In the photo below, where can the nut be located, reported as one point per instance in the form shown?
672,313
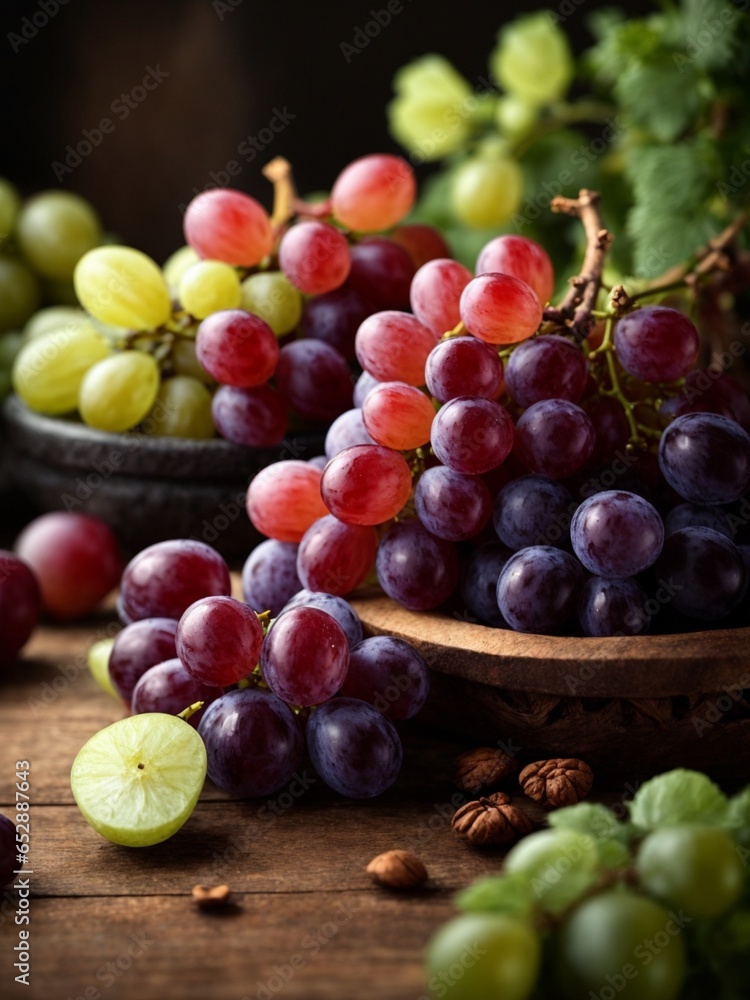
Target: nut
482,769
215,896
398,870
562,781
491,822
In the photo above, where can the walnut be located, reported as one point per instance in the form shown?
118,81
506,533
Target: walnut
479,770
398,870
562,781
491,822
206,898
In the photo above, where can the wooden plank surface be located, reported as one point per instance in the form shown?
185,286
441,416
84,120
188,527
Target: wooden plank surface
307,923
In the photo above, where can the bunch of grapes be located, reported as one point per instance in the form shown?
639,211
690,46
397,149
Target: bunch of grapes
650,901
249,324
263,685
41,241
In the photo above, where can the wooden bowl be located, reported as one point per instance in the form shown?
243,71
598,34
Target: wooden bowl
631,707
146,488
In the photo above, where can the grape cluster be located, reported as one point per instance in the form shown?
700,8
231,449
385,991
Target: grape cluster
261,687
251,323
647,901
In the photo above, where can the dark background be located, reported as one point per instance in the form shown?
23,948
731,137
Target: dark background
229,71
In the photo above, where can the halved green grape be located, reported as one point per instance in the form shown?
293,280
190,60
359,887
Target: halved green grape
10,345
483,956
137,781
124,287
98,661
559,864
54,230
624,944
182,409
486,192
55,318
19,294
49,369
272,296
208,286
532,59
175,266
10,206
693,866
117,393
185,362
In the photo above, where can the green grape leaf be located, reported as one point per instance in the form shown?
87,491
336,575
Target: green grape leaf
709,30
594,819
679,796
509,894
655,96
626,43
737,819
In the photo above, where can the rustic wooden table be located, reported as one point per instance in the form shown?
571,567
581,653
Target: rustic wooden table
306,922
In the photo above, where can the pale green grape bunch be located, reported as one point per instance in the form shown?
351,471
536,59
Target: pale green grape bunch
54,230
176,265
49,369
20,293
123,287
118,392
486,191
532,60
208,286
182,409
272,296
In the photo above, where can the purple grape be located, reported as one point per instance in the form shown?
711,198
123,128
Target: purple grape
452,505
617,534
335,606
253,418
613,607
315,379
354,748
472,435
706,572
690,515
554,438
305,656
137,648
167,687
382,271
269,576
538,589
253,743
416,568
706,458
166,578
547,367
533,510
319,461
218,640
389,674
479,583
363,387
463,366
656,344
8,851
346,430
335,316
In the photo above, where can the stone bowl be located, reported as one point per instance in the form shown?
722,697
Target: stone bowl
147,488
631,707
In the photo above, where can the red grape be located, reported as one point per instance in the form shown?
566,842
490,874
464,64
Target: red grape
315,378
218,640
422,242
284,499
346,431
335,318
237,348
464,366
436,293
227,225
254,418
137,648
394,346
374,192
398,416
500,309
305,656
656,344
546,367
471,434
335,557
415,567
366,484
169,688
554,438
75,558
20,604
521,257
382,271
315,257
269,576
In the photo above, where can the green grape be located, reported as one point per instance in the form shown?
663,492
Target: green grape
117,393
48,371
176,265
559,864
182,409
123,287
10,345
484,956
55,229
486,192
10,206
185,362
208,286
532,59
431,114
694,866
271,296
55,318
621,945
98,661
19,294
515,117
